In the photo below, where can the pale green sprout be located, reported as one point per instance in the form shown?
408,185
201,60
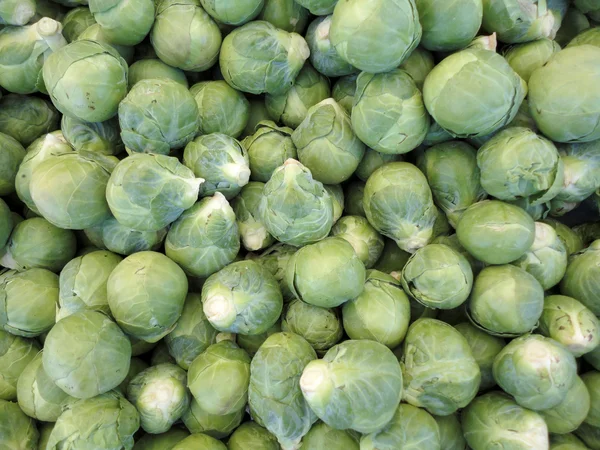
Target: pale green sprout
76,21
323,55
418,65
286,15
160,441
199,440
152,68
573,242
343,91
16,12
366,241
94,33
582,279
7,222
123,240
26,118
525,58
10,159
124,22
451,434
275,259
336,192
16,429
322,436
566,441
569,414
101,137
16,353
217,426
232,12
373,160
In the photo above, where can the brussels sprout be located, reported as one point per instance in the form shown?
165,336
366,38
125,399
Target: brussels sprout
343,280
593,358
440,372
566,441
295,208
108,420
139,347
136,366
152,68
486,106
76,21
373,160
418,65
258,113
323,55
527,57
259,58
287,15
6,227
589,434
405,122
82,283
372,386
572,241
163,441
125,22
592,383
143,207
399,204
185,36
581,281
571,412
161,355
353,199
392,258
126,241
366,241
94,33
590,36
16,353
233,12
537,371
250,436
221,161
157,116
160,396
26,118
251,343
45,429
275,259
323,436
16,12
268,148
321,327
243,298
193,333
484,348
101,137
344,90
567,111
506,301
494,419
199,421
451,436
274,394
10,159
199,440
16,429
146,292
410,427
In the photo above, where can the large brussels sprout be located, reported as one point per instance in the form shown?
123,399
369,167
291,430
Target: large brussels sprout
375,36
157,116
146,292
323,436
221,108
16,429
326,143
323,55
251,436
275,259
76,21
98,358
142,206
222,161
233,12
537,371
494,419
82,283
243,298
439,370
148,69
388,112
357,385
16,353
563,95
343,91
10,159
451,435
582,279
26,118
205,238
438,277
218,378
159,394
162,441
380,313
525,58
78,88
410,427
259,58
496,232
109,421
366,241
17,12
399,204
100,137
123,240
506,301
309,88
286,15
218,426
486,106
275,398
442,34
124,22
321,327
295,208
185,36
342,281
569,414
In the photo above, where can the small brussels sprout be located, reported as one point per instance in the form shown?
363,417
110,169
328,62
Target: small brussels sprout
451,435
268,148
372,386
76,21
259,58
527,57
94,33
494,419
243,298
77,88
126,241
124,22
251,343
418,65
373,160
399,204
566,441
323,436
275,397
16,429
17,12
592,383
287,15
146,292
197,420
26,117
160,396
537,371
233,12
7,222
589,36
100,137
573,242
323,55
438,276
505,301
321,327
440,372
16,353
295,208
251,436
366,241
98,358
569,414
185,36
199,440
136,366
152,68
392,259
405,122
488,106
344,90
143,207
275,259
566,111
157,116
108,420
342,281
82,283
582,279
161,441
410,427
10,160
222,161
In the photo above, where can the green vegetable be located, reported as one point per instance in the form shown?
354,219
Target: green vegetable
16,353
16,429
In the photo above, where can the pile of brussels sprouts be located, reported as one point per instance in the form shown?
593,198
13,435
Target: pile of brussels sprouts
299,224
